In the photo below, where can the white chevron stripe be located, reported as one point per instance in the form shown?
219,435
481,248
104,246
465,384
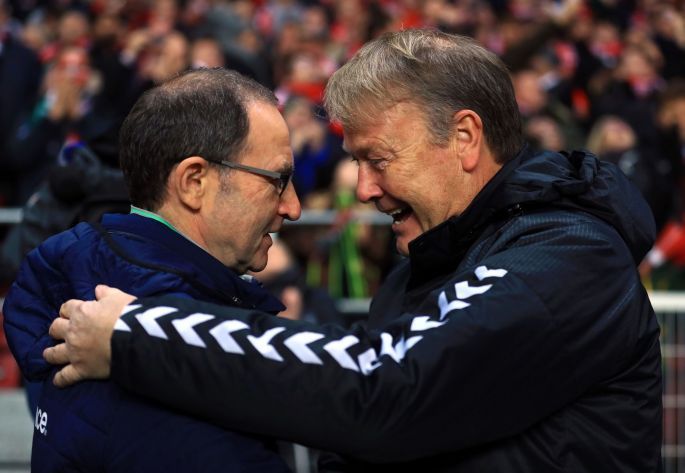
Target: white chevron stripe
264,347
148,320
222,335
400,349
419,324
298,345
413,341
368,361
483,272
121,326
338,350
464,291
185,329
396,352
446,307
129,308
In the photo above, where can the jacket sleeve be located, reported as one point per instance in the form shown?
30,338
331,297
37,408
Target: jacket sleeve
30,307
501,345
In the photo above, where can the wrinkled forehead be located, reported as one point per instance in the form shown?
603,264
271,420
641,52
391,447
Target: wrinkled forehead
384,127
354,104
371,114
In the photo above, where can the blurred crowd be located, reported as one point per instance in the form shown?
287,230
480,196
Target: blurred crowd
606,75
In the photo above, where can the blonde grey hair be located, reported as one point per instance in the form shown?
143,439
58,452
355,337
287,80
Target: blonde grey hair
440,73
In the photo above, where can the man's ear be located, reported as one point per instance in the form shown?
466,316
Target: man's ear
468,136
189,181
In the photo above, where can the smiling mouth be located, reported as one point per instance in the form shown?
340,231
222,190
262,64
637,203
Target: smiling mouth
400,215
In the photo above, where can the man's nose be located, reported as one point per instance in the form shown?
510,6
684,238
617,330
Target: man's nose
368,188
289,207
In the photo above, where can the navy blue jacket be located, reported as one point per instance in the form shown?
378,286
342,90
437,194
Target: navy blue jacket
516,338
97,426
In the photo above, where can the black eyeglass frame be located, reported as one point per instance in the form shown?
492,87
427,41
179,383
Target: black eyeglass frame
283,178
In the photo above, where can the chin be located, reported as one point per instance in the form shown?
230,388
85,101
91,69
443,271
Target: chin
258,262
257,267
402,247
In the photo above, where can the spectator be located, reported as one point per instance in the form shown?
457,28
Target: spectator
206,53
311,143
70,107
20,75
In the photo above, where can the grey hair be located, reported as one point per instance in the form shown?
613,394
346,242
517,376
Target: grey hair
440,73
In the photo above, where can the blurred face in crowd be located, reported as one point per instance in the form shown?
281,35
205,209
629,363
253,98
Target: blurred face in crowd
407,176
672,114
615,136
163,16
73,27
167,59
247,207
72,67
635,65
667,22
108,29
546,132
206,53
529,94
606,40
314,23
298,113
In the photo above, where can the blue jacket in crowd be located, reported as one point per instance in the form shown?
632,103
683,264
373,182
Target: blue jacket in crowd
96,426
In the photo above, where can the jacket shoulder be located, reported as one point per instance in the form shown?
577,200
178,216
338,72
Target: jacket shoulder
34,298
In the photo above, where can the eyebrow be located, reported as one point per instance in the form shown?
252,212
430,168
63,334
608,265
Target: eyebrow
364,150
287,168
357,152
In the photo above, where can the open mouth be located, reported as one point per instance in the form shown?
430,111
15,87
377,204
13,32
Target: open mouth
400,215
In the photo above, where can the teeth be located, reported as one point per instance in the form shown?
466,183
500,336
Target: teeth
395,212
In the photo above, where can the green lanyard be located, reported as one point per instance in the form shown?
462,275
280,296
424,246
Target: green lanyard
146,213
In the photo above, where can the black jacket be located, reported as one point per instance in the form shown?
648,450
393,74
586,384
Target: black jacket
516,338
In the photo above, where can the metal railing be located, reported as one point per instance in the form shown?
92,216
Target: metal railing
11,216
670,310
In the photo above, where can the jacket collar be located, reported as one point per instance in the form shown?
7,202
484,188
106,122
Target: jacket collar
575,181
440,250
193,263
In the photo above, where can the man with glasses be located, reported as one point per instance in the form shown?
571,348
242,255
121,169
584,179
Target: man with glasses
281,179
207,161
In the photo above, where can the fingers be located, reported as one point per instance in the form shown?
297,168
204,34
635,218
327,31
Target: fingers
66,377
86,327
69,308
102,290
58,329
117,297
57,355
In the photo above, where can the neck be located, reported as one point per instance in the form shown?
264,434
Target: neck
195,224
182,222
477,179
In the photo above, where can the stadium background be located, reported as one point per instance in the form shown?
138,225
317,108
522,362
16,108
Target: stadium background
606,75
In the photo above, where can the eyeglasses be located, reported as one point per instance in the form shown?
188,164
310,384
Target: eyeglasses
280,179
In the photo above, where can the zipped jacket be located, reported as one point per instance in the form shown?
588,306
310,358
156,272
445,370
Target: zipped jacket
517,337
97,426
